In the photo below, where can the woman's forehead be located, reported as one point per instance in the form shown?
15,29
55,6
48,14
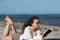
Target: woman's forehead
35,20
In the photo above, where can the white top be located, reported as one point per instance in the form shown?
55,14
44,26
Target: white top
27,34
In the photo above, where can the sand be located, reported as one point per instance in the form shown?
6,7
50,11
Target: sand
54,34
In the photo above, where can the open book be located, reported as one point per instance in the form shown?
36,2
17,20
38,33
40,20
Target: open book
47,32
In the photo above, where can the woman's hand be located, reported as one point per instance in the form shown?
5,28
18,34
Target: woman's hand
41,33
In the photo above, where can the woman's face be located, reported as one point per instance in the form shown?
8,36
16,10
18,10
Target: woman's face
35,23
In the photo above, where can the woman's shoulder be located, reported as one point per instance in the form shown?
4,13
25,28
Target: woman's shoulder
27,28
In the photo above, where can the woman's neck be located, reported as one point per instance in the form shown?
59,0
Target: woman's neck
32,29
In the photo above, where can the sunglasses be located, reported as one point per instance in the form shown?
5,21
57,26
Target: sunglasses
37,22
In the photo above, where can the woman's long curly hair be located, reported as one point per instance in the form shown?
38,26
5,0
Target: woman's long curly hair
28,23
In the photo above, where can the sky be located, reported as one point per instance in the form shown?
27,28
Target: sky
29,6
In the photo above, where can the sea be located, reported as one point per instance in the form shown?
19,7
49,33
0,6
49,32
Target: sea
43,18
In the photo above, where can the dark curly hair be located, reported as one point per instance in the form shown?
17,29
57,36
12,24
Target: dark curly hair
28,23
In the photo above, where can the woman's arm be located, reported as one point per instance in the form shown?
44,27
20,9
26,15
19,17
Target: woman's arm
26,35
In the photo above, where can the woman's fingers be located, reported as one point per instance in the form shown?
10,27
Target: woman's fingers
41,33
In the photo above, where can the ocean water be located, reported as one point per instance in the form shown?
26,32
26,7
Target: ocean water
47,19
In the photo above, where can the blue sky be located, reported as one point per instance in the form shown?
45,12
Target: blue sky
29,6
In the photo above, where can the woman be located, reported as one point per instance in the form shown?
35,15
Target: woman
30,28
28,31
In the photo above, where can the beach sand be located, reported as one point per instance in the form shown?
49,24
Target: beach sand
54,34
